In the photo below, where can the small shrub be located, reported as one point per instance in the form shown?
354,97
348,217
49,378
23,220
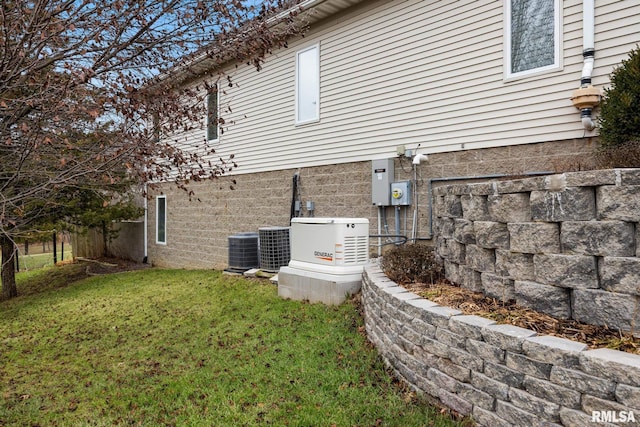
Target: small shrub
623,155
574,163
411,263
619,114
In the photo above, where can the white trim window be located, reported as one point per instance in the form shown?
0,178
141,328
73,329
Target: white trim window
161,220
308,85
212,103
532,37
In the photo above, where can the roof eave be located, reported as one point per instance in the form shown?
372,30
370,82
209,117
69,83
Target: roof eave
311,11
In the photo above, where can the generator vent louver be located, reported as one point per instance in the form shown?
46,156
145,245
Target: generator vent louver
356,249
243,252
275,249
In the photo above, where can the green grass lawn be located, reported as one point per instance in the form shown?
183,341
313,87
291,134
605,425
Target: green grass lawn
190,348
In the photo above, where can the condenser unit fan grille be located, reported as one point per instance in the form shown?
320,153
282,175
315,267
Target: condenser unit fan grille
275,250
243,252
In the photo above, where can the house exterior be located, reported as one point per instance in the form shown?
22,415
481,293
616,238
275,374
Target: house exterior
481,87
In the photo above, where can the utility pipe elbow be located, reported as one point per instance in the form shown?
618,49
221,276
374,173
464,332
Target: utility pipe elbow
588,123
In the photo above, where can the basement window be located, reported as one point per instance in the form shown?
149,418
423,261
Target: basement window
161,220
308,85
532,37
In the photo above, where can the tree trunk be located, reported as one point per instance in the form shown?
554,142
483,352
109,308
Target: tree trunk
9,289
55,248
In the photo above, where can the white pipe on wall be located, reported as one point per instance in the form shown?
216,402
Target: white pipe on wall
588,54
587,71
588,43
145,259
588,24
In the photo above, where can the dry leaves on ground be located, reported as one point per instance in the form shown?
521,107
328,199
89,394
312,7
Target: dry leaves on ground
510,313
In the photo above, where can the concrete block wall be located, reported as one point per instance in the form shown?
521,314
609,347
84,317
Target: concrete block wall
501,375
198,227
567,245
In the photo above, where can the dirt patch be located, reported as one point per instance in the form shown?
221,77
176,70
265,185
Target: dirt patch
94,267
70,271
510,313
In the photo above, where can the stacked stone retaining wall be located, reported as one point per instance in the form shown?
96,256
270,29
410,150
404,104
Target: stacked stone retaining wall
567,245
501,375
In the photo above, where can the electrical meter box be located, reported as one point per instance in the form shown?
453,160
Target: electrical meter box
401,193
382,173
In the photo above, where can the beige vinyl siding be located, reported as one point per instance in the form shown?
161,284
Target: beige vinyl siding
617,32
415,72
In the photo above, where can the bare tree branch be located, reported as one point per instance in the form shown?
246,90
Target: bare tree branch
80,82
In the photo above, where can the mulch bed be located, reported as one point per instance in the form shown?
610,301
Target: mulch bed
510,313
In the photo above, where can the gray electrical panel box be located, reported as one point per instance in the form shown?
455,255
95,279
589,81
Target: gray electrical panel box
401,193
382,174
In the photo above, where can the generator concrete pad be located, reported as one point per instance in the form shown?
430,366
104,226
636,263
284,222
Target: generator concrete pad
330,289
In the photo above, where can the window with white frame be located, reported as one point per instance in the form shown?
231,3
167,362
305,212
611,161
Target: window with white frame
308,85
532,36
212,101
161,220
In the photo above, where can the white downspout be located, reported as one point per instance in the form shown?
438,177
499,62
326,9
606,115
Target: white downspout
145,260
